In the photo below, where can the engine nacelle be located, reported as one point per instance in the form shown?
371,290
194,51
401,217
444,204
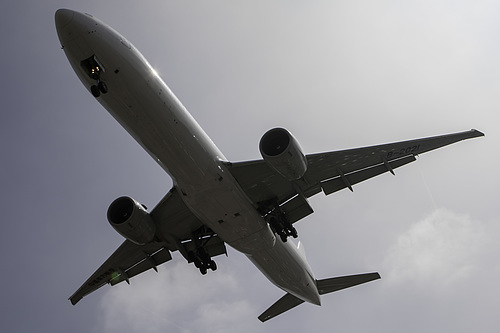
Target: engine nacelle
131,220
282,152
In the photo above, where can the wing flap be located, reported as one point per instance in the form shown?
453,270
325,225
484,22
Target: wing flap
124,258
297,208
346,181
150,261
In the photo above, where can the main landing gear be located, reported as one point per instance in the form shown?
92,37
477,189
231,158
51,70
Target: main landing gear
94,70
199,256
202,260
280,224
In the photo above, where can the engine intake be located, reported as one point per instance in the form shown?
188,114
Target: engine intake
282,152
131,220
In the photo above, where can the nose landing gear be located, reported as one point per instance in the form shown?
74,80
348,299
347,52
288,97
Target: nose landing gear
94,69
101,87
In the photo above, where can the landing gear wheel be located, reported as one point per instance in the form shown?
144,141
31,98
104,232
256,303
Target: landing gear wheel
212,265
102,87
203,270
294,233
96,92
283,238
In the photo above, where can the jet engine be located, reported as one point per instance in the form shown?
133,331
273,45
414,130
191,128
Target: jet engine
282,152
131,220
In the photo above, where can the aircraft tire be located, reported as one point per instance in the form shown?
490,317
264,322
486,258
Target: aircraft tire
96,92
103,87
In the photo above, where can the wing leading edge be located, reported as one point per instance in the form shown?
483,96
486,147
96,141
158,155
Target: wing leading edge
330,172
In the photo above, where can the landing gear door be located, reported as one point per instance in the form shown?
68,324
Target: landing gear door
296,209
214,246
93,67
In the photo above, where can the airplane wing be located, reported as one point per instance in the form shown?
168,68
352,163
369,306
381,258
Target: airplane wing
127,261
332,171
130,259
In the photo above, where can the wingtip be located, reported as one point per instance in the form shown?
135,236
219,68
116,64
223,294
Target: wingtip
477,132
74,300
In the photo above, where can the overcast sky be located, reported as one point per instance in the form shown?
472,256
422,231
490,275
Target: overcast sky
337,74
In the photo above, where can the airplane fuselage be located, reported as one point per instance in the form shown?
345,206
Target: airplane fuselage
144,105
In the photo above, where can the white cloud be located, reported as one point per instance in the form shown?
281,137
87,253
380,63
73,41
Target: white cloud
441,249
224,316
177,299
441,270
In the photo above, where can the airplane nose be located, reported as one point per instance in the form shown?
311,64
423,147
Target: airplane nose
63,17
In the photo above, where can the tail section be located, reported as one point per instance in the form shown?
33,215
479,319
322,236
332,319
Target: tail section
324,286
284,304
338,283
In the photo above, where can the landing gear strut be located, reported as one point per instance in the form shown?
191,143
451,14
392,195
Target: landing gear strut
94,69
200,256
96,90
280,224
202,261
101,87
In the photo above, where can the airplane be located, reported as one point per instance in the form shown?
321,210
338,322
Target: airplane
251,206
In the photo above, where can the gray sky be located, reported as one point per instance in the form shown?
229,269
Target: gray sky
338,74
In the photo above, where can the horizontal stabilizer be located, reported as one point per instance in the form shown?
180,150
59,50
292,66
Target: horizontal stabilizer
284,304
338,283
325,286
